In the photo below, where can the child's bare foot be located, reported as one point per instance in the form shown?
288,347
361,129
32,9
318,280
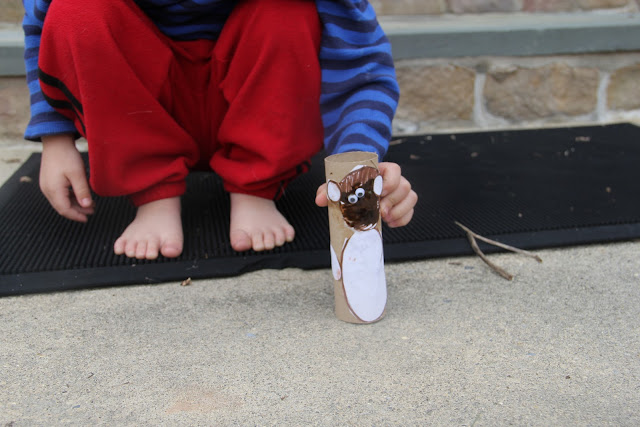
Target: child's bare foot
257,224
157,229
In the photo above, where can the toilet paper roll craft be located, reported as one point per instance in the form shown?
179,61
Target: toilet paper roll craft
354,186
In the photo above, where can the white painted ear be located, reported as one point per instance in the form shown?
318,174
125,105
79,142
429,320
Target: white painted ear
377,185
333,191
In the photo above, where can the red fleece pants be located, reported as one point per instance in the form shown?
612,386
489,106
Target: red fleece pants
152,109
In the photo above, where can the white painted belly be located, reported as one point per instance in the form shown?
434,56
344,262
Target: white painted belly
363,275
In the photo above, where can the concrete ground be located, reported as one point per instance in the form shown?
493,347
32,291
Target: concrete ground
559,345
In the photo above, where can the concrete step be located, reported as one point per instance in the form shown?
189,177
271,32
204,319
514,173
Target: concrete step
454,36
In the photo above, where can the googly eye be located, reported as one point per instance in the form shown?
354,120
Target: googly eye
352,198
360,193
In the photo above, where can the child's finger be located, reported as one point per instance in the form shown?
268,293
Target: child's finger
321,196
402,221
402,212
399,194
60,200
391,176
81,188
87,211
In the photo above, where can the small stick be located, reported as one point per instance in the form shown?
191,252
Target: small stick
484,258
498,244
471,236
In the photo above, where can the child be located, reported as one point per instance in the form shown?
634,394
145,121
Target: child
246,88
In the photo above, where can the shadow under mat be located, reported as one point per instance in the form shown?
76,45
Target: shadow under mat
526,188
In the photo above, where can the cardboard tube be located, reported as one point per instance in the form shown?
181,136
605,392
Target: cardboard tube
354,186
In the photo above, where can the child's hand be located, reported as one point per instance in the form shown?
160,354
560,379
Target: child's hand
62,167
397,199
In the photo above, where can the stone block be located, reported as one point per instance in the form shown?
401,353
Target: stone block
409,7
11,11
623,92
548,6
601,4
14,107
483,6
436,93
540,93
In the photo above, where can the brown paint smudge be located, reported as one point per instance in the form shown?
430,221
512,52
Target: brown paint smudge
365,213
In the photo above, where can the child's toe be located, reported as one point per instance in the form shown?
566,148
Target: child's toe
118,246
269,241
240,240
171,248
279,237
130,248
289,233
141,250
257,241
152,250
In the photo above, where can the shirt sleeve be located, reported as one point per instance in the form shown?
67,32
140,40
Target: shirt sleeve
359,87
44,119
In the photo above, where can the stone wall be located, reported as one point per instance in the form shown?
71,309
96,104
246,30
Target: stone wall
474,93
508,92
14,108
445,94
11,10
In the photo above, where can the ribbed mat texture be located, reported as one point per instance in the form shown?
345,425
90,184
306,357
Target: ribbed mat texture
528,188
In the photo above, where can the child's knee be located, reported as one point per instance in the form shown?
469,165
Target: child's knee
284,20
292,13
68,15
77,18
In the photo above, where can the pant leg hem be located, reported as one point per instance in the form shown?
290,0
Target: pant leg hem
158,192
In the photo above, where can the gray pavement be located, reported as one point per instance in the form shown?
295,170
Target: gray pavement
559,345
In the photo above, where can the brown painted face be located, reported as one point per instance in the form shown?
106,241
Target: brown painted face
359,203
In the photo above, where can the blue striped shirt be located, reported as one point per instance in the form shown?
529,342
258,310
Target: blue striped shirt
359,88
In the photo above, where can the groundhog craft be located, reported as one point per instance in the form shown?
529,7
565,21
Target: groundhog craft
359,263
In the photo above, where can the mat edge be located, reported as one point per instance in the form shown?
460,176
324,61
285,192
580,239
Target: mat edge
234,267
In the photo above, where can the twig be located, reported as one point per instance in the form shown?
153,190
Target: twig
484,258
500,245
472,236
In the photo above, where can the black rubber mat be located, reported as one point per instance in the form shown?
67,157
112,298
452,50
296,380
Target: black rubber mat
528,188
